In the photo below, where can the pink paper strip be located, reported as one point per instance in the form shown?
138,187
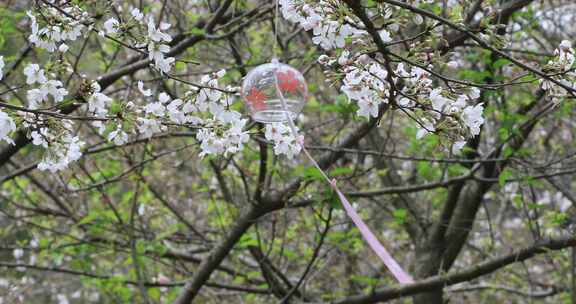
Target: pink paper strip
377,247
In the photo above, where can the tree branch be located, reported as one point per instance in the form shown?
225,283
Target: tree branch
461,276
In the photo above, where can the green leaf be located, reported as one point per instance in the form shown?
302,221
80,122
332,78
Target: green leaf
311,173
500,63
89,218
400,215
167,232
247,240
508,151
197,31
341,171
504,176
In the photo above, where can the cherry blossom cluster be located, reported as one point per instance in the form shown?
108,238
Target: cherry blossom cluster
60,25
223,130
57,137
285,141
364,82
449,112
154,41
113,27
328,32
98,102
561,68
156,45
58,140
206,108
40,95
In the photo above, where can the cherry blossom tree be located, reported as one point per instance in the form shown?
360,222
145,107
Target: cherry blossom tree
132,172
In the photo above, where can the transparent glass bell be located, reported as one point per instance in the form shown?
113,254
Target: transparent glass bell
261,93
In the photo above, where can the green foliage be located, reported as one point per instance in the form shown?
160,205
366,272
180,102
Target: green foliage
504,176
400,216
8,21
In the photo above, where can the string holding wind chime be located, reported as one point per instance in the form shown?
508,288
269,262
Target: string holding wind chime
276,92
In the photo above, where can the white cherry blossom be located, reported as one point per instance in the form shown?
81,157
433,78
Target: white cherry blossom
426,128
565,55
457,146
156,108
438,101
34,74
385,36
148,127
367,87
39,137
472,117
98,103
18,253
7,126
36,97
137,14
453,64
118,137
157,48
284,141
165,64
63,27
175,114
156,34
145,92
63,48
39,95
61,153
111,26
368,108
54,88
276,131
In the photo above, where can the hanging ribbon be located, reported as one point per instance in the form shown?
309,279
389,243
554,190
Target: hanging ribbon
393,266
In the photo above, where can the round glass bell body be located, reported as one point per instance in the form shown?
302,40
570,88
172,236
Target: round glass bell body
264,86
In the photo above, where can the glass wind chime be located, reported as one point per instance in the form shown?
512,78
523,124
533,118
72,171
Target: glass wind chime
275,92
265,87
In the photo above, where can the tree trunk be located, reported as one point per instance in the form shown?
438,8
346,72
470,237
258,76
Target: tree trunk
434,297
428,262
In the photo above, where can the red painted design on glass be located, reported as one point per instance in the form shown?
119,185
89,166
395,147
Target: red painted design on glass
256,99
288,82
